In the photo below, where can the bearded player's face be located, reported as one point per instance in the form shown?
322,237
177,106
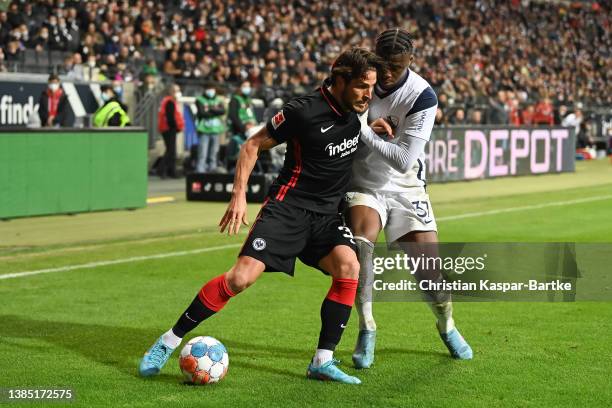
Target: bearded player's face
358,92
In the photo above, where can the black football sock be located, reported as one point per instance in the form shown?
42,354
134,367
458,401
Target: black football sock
195,314
334,317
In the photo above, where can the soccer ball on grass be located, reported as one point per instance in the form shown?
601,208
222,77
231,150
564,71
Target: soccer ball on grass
204,360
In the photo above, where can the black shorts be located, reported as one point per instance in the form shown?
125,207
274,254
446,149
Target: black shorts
283,232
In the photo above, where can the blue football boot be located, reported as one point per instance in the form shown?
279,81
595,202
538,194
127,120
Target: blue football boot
155,358
457,345
330,372
363,356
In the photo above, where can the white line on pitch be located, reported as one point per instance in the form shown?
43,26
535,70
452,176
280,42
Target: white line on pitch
523,208
117,261
210,249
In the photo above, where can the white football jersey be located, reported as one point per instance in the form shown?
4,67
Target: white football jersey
410,107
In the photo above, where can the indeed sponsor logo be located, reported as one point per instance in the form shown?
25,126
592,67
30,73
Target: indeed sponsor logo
347,146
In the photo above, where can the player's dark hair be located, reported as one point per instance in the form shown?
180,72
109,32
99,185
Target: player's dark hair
394,46
354,64
395,41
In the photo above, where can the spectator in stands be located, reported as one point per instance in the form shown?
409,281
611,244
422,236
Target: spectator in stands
584,138
442,101
22,35
171,66
527,115
89,47
241,118
560,114
150,69
458,117
149,85
41,41
14,16
544,114
210,127
476,117
57,35
73,68
53,105
574,120
236,40
12,52
91,72
2,66
112,112
514,113
496,113
170,122
118,90
440,118
241,114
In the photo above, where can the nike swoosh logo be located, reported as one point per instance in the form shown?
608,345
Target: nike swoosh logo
187,316
323,130
343,326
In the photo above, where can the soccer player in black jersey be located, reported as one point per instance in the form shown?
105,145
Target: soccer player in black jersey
299,218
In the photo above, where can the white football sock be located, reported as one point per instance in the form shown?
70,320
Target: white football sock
321,357
363,300
171,340
366,319
444,314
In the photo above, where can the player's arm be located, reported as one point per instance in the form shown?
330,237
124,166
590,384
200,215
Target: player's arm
236,212
279,128
411,139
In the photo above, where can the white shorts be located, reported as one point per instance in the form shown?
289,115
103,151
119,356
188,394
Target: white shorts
400,213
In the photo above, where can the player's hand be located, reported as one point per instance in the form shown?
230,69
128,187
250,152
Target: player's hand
235,214
381,127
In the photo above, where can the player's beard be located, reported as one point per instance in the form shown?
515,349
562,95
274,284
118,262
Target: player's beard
351,103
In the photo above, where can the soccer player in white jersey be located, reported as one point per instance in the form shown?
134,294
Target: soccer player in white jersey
388,189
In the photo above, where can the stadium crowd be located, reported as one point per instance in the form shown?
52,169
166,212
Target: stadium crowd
490,61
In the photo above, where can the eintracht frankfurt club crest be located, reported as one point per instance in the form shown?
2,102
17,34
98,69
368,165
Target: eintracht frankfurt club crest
259,244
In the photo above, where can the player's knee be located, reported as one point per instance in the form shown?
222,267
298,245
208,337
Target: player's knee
244,273
348,269
238,282
239,278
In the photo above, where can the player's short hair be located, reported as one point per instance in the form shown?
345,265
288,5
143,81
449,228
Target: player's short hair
395,41
354,64
53,77
395,46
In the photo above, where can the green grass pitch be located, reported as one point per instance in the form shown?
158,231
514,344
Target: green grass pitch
87,328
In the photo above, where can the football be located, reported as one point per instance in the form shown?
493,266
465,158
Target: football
204,360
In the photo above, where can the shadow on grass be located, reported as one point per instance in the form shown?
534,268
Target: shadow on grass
392,353
122,347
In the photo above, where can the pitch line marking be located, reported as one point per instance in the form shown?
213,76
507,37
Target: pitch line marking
217,248
523,208
118,261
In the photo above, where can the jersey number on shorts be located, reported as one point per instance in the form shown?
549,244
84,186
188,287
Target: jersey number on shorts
422,210
347,234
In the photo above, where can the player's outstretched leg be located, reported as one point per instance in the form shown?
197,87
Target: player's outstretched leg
426,242
363,356
342,264
213,296
453,340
